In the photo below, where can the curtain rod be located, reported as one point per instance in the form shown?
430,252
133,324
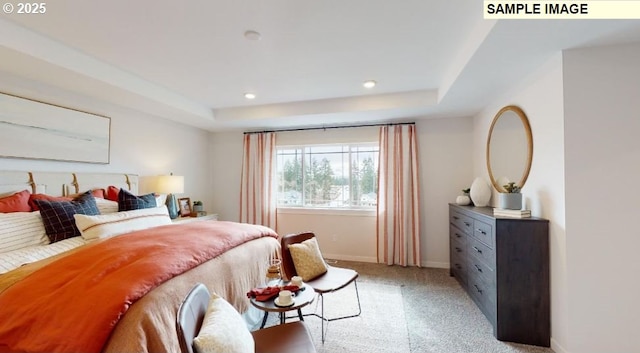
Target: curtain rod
326,127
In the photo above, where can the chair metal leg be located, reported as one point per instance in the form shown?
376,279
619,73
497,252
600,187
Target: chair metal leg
327,320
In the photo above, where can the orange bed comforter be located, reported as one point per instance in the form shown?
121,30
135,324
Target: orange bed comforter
72,304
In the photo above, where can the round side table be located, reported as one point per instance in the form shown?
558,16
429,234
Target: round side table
303,297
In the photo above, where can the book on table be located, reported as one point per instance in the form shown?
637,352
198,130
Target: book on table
501,212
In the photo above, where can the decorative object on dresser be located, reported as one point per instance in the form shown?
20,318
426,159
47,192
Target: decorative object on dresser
512,199
464,198
480,192
170,185
503,264
501,212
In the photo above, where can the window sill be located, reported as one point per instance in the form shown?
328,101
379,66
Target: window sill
327,211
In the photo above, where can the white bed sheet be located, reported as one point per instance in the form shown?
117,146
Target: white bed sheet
13,259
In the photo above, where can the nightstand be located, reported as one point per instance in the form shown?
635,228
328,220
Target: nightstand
209,217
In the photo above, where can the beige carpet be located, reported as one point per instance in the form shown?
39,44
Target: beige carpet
380,328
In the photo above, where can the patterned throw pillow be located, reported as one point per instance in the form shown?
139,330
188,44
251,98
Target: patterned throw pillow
57,216
128,201
223,330
21,230
307,259
34,197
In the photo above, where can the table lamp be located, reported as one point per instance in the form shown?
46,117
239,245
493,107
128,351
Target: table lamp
170,185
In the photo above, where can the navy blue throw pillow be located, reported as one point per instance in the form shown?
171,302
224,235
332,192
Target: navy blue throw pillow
128,201
57,216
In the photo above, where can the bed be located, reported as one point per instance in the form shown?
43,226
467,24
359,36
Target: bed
147,324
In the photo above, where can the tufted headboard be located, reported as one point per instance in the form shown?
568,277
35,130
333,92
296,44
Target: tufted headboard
63,183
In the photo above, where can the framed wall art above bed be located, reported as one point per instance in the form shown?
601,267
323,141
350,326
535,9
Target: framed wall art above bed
35,130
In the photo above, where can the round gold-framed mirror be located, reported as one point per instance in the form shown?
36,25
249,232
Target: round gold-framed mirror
509,148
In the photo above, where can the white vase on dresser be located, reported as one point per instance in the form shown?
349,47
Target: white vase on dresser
480,192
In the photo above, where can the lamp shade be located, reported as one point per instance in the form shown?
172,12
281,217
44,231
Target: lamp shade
167,184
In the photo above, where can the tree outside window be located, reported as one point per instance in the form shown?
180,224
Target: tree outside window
328,176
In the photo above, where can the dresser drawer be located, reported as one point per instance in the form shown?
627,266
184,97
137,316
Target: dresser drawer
458,248
464,223
478,268
458,253
457,235
482,252
484,295
483,232
459,269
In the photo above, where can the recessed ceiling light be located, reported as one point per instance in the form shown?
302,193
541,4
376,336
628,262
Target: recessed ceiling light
369,84
249,95
252,35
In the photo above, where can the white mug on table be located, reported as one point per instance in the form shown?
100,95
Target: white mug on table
285,297
296,281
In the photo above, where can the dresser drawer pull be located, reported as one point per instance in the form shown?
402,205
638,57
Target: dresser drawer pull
478,289
458,249
477,268
467,224
458,266
458,235
481,231
456,217
477,250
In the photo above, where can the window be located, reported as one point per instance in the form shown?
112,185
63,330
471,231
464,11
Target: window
328,176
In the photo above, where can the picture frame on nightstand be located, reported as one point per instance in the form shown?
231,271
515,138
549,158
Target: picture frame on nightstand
185,206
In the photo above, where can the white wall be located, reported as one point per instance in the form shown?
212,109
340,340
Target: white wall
602,151
540,95
342,235
446,168
139,144
225,149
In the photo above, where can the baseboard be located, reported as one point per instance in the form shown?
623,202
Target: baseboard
434,264
329,257
557,347
370,259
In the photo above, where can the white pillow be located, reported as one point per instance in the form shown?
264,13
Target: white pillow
112,224
20,230
161,199
223,330
106,206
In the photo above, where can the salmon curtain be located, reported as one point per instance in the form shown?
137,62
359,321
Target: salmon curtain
257,189
398,224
